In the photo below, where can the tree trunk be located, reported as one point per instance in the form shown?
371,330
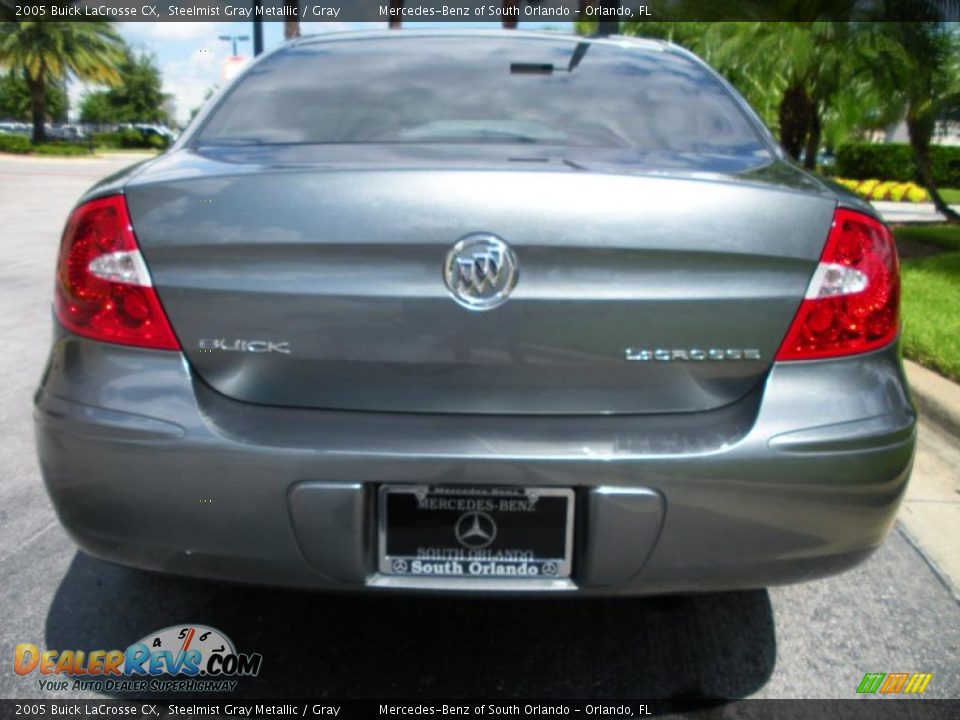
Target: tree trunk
794,119
38,106
291,28
509,21
920,130
813,141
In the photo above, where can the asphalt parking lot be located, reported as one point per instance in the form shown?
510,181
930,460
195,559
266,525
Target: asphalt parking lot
892,614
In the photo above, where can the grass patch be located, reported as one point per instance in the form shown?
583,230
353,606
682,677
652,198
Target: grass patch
21,145
951,196
146,152
931,299
945,238
14,144
61,149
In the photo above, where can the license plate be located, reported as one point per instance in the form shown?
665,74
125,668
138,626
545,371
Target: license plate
495,532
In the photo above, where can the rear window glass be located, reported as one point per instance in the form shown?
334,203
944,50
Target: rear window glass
473,90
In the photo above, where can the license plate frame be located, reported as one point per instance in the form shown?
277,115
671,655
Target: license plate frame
465,553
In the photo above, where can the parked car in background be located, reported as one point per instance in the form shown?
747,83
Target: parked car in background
15,128
147,131
161,130
512,312
69,133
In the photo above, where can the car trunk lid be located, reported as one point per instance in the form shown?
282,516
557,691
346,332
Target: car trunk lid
652,288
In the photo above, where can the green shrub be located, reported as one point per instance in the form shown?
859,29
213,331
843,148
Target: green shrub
106,139
119,139
129,138
894,161
133,139
15,144
62,149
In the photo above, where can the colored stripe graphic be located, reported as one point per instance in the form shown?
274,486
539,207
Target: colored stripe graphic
893,683
871,682
918,682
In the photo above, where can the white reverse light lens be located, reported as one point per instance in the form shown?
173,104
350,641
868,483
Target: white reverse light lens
831,280
124,266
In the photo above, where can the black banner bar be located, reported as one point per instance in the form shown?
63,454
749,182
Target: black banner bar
192,708
606,12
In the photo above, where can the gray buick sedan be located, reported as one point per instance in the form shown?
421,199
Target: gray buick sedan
471,311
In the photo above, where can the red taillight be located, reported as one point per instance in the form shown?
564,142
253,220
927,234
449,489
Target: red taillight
103,288
853,302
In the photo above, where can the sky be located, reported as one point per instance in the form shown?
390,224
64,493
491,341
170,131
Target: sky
190,55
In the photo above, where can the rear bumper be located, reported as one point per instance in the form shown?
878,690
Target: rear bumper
148,467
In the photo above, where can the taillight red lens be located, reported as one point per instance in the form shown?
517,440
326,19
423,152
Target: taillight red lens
853,302
103,288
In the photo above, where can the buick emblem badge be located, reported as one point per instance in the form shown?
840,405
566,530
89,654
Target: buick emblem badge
480,271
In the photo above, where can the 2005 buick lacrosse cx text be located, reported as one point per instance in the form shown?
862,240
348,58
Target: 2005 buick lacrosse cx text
511,312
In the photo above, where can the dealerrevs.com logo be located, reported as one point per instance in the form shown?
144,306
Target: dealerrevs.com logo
180,658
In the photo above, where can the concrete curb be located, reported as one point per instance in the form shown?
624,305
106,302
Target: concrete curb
903,212
936,398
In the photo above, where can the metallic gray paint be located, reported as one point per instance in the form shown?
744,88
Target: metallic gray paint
800,478
350,260
263,468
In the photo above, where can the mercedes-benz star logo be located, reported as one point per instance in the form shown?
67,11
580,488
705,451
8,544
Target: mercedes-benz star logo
475,530
480,271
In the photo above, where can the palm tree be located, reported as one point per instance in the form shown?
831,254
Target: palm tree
792,72
46,52
762,90
919,69
810,63
857,112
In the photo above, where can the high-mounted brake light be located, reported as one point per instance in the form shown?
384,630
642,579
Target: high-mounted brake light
852,304
103,288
